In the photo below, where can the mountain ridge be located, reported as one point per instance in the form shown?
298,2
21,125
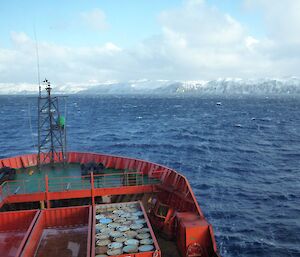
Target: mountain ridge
222,86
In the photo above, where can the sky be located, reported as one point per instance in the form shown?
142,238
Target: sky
96,41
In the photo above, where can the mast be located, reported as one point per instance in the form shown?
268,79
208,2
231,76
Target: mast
51,129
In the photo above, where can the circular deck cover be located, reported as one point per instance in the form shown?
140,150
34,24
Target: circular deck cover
115,245
136,226
113,225
133,217
121,239
103,242
143,230
99,216
140,221
125,215
131,234
130,249
102,236
115,234
147,241
143,236
112,216
119,212
101,249
132,210
146,248
138,213
113,252
132,242
127,223
120,220
106,230
105,220
123,228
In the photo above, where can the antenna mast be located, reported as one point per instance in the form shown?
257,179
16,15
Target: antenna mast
51,129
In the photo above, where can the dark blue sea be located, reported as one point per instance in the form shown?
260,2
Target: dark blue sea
242,157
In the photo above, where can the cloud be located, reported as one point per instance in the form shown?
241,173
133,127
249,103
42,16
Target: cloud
95,19
281,18
196,41
59,63
281,44
200,42
19,38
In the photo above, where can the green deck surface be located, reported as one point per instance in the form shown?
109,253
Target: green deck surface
61,178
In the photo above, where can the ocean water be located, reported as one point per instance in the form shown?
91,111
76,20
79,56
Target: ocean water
242,157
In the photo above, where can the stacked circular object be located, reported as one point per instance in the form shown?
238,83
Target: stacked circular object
121,228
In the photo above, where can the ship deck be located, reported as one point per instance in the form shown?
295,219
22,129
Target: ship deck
124,180
168,248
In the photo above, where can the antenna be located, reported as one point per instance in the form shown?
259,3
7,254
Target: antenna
51,129
51,124
40,95
37,59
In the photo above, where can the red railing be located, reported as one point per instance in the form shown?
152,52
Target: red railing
119,179
177,184
13,187
64,184
60,184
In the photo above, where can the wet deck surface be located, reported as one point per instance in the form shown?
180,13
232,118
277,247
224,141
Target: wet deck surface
10,242
168,248
61,178
63,242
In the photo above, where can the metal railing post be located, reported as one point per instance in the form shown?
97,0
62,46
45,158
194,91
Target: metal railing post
92,188
47,191
23,183
8,189
1,194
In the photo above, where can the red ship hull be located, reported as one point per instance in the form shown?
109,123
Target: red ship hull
165,195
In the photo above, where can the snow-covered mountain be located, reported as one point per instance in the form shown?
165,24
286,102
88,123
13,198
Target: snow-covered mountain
32,89
228,86
290,86
142,86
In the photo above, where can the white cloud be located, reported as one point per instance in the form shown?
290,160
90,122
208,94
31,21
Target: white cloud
197,41
281,18
251,42
112,47
95,19
281,44
59,63
19,38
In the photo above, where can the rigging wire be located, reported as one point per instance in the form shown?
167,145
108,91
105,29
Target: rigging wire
30,125
39,84
65,128
37,59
